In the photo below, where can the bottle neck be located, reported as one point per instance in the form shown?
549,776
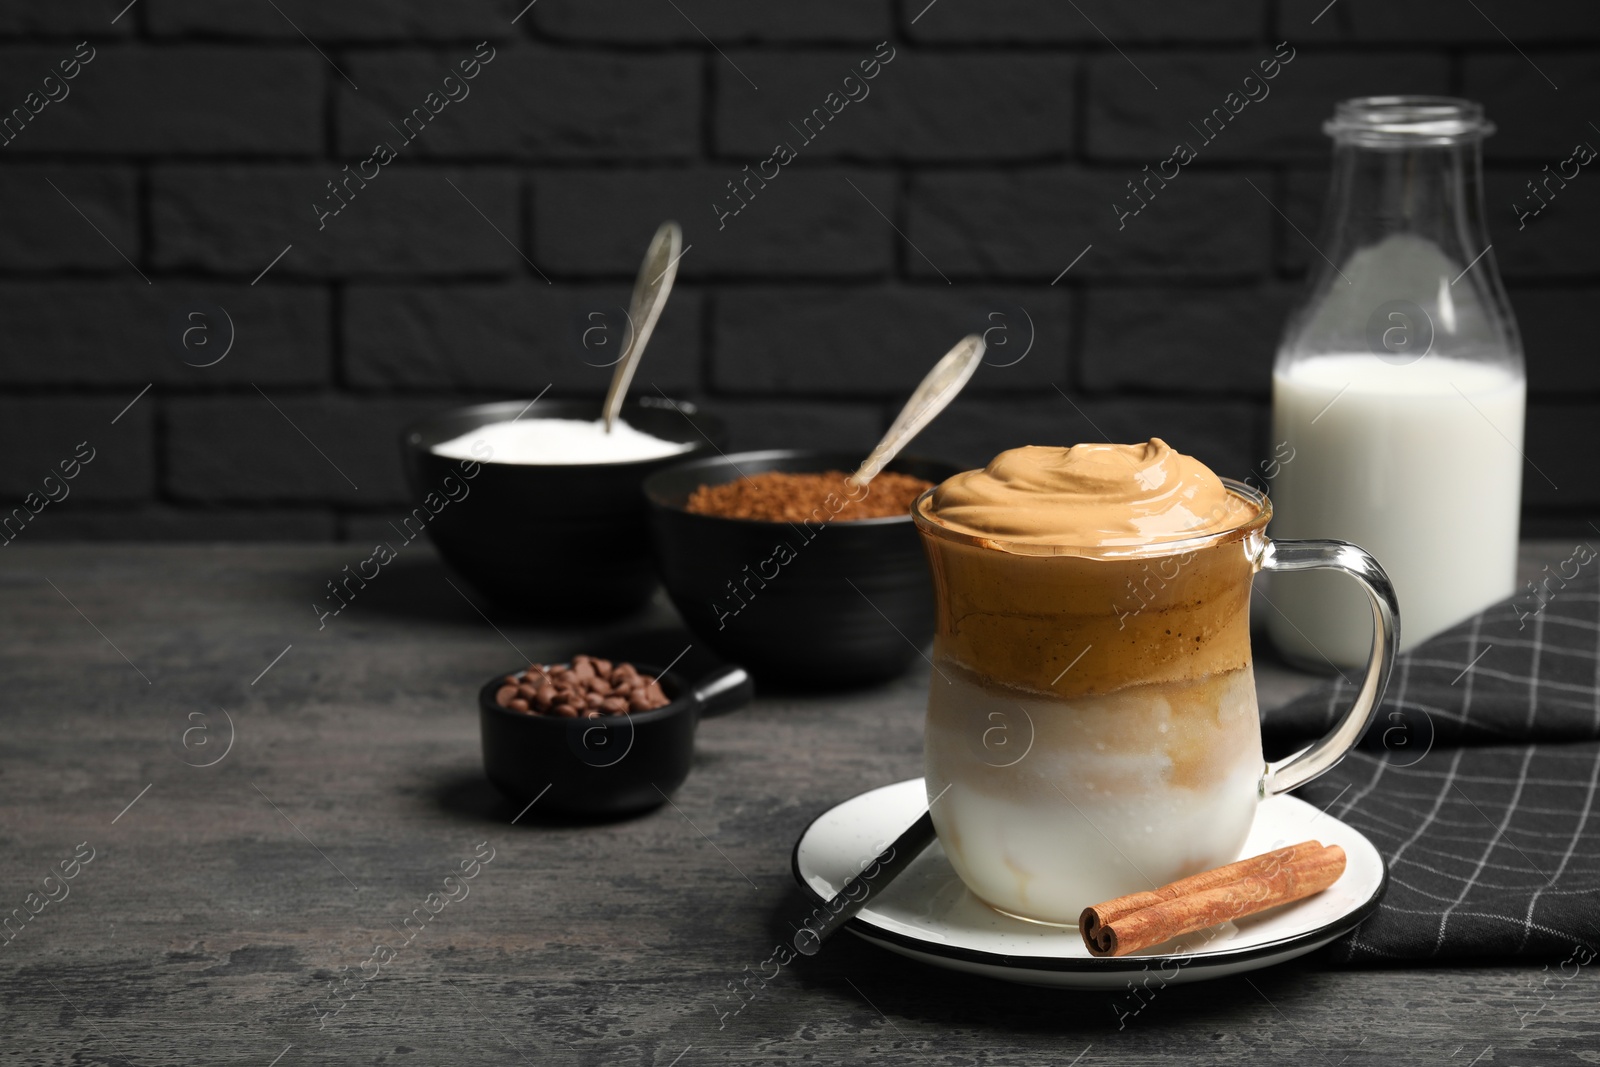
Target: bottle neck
1434,192
1403,264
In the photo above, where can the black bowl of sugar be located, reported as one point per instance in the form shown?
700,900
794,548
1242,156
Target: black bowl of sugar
541,509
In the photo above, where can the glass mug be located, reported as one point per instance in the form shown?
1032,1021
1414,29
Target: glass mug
1092,727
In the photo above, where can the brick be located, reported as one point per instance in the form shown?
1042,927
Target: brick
917,106
43,231
724,22
243,449
1554,453
1558,339
160,523
1033,223
1039,21
1435,21
1127,120
129,333
347,20
516,336
1557,242
1188,340
38,432
181,100
1303,198
523,105
882,341
63,18
1228,437
235,219
807,222
1530,123
830,425
1539,525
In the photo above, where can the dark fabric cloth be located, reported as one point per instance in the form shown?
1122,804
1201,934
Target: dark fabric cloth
1477,781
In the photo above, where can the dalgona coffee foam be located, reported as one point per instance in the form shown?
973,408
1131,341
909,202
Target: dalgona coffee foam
1090,495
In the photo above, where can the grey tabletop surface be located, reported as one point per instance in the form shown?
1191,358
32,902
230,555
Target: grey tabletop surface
225,906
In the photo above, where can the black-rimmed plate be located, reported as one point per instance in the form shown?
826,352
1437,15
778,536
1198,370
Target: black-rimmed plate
929,915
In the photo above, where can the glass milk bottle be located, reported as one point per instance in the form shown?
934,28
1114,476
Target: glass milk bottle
1398,391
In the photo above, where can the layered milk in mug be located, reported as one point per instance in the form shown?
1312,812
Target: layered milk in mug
1092,725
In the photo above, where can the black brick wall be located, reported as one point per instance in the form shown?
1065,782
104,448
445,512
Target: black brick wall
984,157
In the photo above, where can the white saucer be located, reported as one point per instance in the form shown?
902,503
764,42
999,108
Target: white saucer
929,915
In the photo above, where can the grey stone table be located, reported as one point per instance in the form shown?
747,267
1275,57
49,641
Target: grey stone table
229,912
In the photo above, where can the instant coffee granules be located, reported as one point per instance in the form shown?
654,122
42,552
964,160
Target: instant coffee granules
779,496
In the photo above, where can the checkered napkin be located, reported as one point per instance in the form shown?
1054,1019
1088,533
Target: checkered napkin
1478,781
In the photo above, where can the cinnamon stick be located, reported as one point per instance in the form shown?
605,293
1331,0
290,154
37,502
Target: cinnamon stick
1112,909
1137,921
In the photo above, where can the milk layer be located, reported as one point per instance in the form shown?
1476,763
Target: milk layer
1045,805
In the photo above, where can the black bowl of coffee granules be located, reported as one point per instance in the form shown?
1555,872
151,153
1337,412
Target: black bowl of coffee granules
776,562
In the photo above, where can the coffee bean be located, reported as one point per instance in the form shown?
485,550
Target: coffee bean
589,687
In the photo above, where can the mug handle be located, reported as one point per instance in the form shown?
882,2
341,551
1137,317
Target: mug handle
1298,769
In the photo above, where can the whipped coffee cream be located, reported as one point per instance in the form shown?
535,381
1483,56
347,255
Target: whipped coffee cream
1059,719
1089,496
559,441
